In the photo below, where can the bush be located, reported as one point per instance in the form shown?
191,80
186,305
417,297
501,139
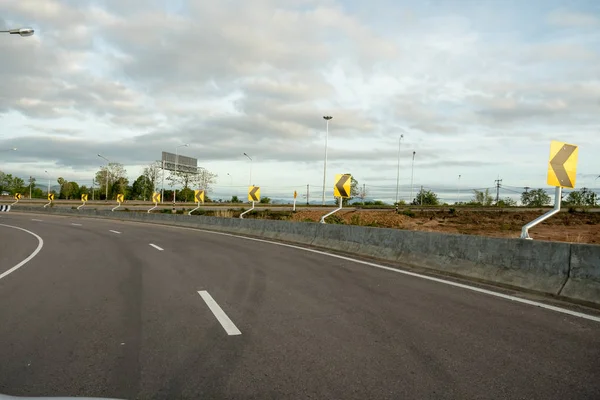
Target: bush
334,219
408,213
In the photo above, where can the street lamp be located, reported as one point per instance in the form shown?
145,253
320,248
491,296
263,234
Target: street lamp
327,118
20,31
13,149
412,176
107,163
398,174
250,158
230,179
48,181
176,162
458,194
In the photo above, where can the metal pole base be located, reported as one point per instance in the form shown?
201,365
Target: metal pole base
247,211
81,205
556,209
333,212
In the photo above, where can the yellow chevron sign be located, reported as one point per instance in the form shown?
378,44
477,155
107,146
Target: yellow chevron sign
50,196
342,185
199,196
562,167
156,197
17,196
120,198
84,197
253,193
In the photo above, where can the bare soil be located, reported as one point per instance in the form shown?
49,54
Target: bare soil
576,227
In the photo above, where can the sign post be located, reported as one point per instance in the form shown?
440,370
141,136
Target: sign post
50,199
156,200
199,198
253,195
341,189
295,195
562,172
120,198
84,198
17,198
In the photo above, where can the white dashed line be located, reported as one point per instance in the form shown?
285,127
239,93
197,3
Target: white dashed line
74,224
226,323
156,247
37,220
117,232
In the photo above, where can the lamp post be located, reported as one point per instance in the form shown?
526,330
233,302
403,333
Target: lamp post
458,194
412,175
48,181
398,173
230,179
107,163
176,162
250,158
327,118
20,31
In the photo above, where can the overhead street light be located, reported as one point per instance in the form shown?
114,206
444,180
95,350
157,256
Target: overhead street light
250,158
20,31
412,176
398,173
327,118
48,181
13,149
107,163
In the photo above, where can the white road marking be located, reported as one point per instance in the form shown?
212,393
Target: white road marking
25,261
38,220
429,278
156,247
74,224
117,232
226,323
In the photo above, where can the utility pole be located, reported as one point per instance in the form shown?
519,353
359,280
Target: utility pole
364,193
93,179
30,183
498,182
307,194
421,195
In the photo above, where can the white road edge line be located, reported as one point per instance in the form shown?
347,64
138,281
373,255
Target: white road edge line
156,247
226,323
429,278
74,224
25,261
38,220
117,232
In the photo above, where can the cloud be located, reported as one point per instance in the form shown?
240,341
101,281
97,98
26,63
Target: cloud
570,19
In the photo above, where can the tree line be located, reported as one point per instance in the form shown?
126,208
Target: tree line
112,179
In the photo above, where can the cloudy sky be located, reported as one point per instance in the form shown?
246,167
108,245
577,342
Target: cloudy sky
478,88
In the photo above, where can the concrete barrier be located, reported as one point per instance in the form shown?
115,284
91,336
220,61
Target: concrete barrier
565,269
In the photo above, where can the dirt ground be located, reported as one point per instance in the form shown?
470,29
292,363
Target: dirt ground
577,227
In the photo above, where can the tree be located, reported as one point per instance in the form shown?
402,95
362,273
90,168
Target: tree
582,198
235,199
118,187
204,179
139,188
114,172
152,173
265,200
507,202
3,182
426,197
482,198
535,198
17,185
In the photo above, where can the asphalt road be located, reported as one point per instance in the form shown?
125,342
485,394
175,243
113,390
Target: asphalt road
100,312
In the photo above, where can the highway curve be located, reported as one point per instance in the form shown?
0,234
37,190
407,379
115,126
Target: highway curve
113,309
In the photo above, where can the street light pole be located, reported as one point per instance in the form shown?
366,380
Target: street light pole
412,176
398,174
230,179
176,162
458,195
107,163
20,31
250,158
48,181
327,118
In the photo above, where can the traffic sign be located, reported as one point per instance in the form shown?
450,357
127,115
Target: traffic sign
562,167
342,185
50,196
199,196
120,198
84,197
253,193
295,194
17,196
156,197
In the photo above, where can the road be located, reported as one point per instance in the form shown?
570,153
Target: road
113,309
